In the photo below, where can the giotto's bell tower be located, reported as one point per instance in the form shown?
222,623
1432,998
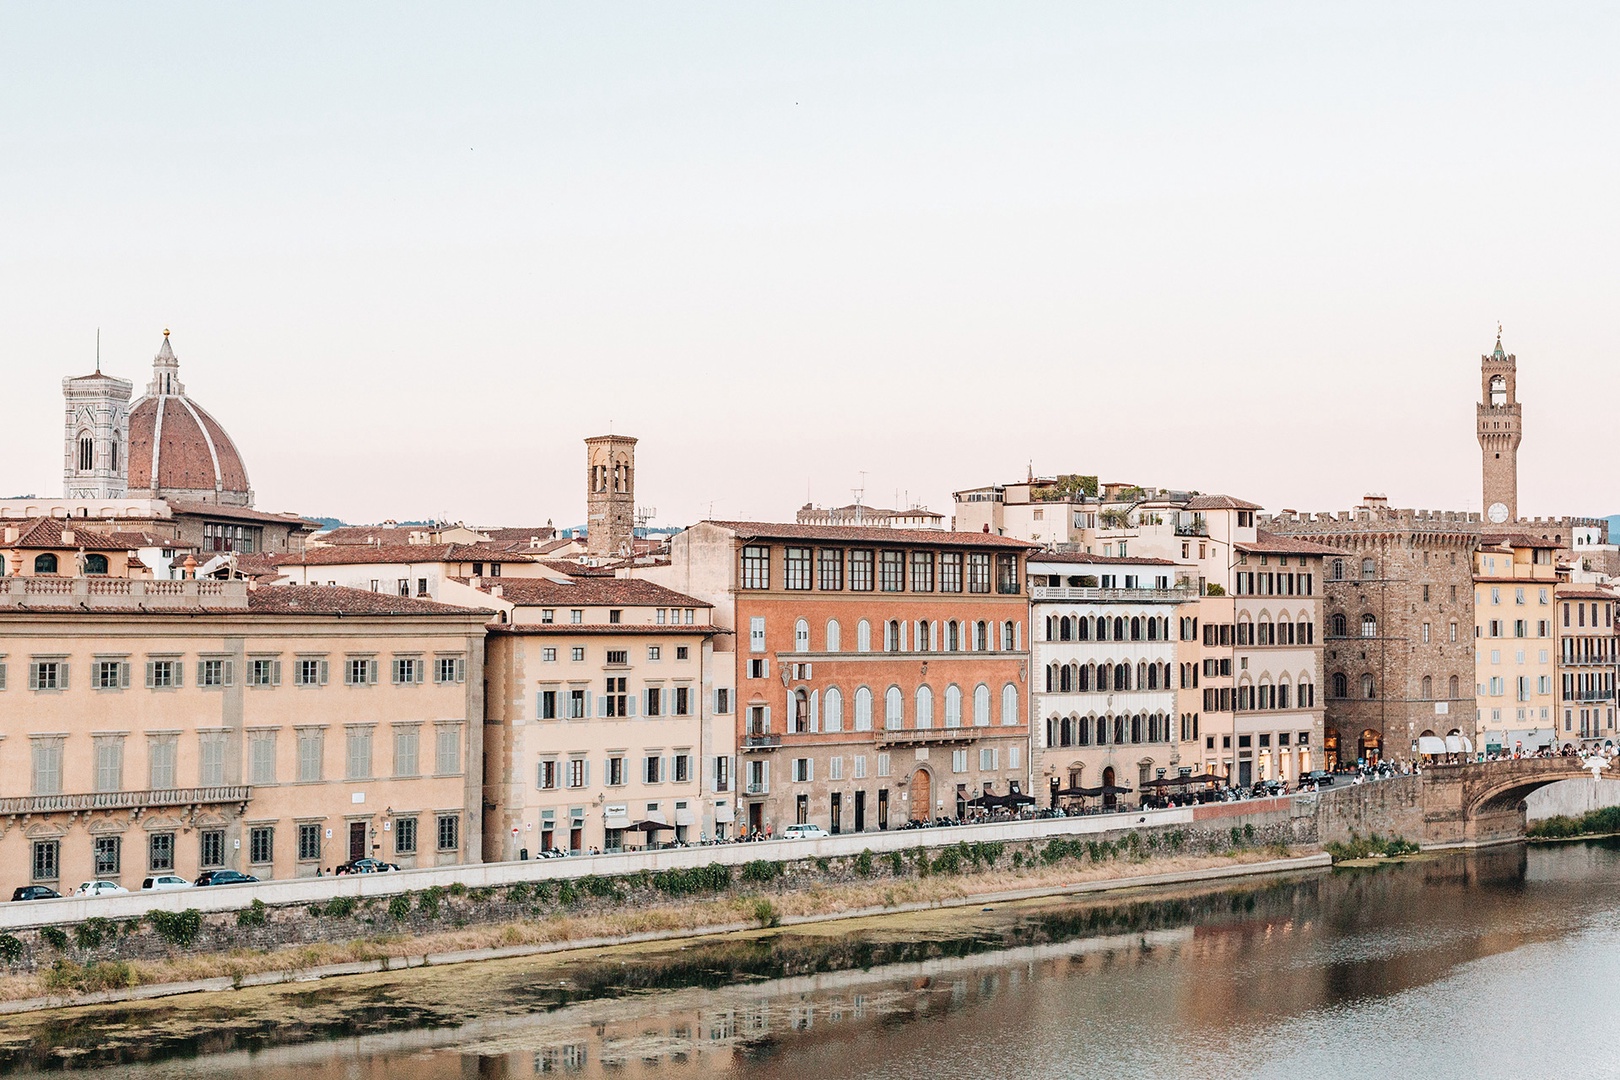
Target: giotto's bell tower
1500,427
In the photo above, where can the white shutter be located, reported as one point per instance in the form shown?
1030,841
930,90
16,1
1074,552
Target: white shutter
601,704
325,671
767,718
587,772
230,673
200,664
630,702
815,711
371,671
33,676
421,670
275,673
150,666
123,676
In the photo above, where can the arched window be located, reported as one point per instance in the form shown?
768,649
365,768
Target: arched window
1338,624
833,709
1119,628
801,636
863,636
1065,629
1304,632
95,564
45,564
1122,676
925,635
1082,731
1082,628
1136,628
1119,729
1051,627
833,635
112,455
1341,685
893,640
1153,629
981,636
894,709
801,713
1083,677
1368,568
1369,625
953,636
1367,689
981,706
1428,688
925,707
1009,636
863,709
1009,706
1051,678
87,453
1136,729
1498,391
1453,687
1103,727
1102,629
953,706
1066,680
1338,570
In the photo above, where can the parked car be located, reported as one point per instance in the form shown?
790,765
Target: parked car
164,882
34,892
804,832
365,866
1319,777
100,888
224,877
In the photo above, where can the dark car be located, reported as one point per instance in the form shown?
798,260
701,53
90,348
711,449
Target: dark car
1320,777
365,866
224,877
35,892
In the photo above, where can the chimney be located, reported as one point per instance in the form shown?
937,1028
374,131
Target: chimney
67,537
12,533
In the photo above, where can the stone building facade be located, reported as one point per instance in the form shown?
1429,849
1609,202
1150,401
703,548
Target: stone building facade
610,499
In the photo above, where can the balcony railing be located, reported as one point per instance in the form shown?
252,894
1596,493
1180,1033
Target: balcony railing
761,742
1057,592
958,736
125,800
759,789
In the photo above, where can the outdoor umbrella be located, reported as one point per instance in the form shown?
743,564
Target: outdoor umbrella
649,826
1113,789
1017,799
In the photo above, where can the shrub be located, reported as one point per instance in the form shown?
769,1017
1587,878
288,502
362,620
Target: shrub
1018,859
479,895
693,881
399,906
55,937
863,863
63,975
339,907
92,932
567,893
765,913
255,914
178,928
458,889
948,861
1593,822
518,893
428,902
108,975
1248,831
1371,847
761,871
897,865
11,948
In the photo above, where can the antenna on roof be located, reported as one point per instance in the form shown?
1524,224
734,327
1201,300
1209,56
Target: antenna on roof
98,350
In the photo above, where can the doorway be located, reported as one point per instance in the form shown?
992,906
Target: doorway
1372,746
921,795
836,811
756,818
357,840
883,808
1109,798
801,812
1245,772
860,811
576,837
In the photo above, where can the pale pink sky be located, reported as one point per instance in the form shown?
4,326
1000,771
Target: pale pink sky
412,256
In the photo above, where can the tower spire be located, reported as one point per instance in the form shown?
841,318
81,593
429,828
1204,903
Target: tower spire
98,350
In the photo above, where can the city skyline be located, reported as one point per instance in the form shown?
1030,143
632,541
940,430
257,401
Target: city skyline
1256,251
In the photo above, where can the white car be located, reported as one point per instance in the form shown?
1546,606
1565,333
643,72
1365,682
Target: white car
164,881
99,888
804,832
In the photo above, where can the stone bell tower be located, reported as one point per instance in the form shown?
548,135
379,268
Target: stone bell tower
1501,426
95,455
610,501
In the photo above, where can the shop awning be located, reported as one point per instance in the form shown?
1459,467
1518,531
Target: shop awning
724,814
1431,744
617,821
1458,744
685,817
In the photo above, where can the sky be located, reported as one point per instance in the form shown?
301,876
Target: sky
412,255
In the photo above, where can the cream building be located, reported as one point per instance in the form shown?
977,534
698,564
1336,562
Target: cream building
178,726
601,704
1515,659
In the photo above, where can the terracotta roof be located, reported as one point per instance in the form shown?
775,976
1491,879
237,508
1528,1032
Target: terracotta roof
237,513
175,445
1219,502
1583,592
518,534
1517,540
574,569
762,530
371,534
594,591
1104,560
367,554
133,540
337,600
1270,543
46,533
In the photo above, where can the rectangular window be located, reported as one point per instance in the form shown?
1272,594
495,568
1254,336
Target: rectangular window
756,566
830,569
548,704
722,702
683,701
309,842
655,652
892,571
922,571
987,759
978,573
577,653
759,669
109,763
683,652
407,670
47,675
722,774
360,672
756,633
47,860
959,761
211,848
109,856
211,770
576,704
262,758
311,747
546,778
264,672
405,836
615,771
1007,573
449,832
548,655
655,701
109,675
357,757
450,669
162,674
796,568
860,570
262,844
447,755
860,766
618,657
309,671
579,772
804,770
883,764
652,769
616,701
214,673
950,572
162,751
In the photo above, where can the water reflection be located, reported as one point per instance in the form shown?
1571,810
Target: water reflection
1306,973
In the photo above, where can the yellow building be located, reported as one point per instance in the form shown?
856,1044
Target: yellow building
1515,659
178,726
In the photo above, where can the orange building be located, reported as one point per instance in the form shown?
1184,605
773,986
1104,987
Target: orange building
881,674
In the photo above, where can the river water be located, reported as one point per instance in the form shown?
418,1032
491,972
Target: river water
1499,963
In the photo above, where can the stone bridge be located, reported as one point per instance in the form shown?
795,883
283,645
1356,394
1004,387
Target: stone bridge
1478,803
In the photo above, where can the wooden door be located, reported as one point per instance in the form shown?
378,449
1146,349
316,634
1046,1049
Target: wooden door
922,799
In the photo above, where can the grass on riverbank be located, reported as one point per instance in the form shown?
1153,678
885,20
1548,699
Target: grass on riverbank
1598,822
1371,847
66,978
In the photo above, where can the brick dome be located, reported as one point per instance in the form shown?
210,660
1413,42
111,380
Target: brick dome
176,448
